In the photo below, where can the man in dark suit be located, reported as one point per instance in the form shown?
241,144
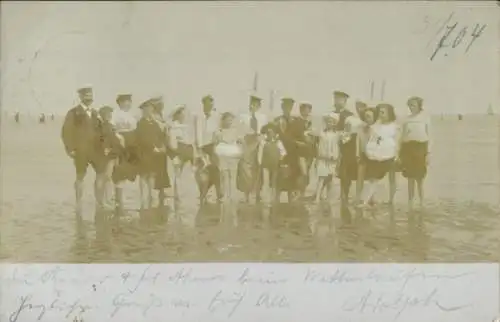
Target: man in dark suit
80,136
339,103
305,142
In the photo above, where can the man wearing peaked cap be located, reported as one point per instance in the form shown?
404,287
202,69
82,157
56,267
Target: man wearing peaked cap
339,104
79,134
287,100
207,98
255,98
206,123
123,97
340,94
302,127
84,90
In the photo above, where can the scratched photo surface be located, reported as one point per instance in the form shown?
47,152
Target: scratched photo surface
445,53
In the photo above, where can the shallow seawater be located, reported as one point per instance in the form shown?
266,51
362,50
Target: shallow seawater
460,220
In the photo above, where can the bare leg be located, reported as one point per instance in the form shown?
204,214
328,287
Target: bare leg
144,191
79,193
119,197
223,183
420,187
215,174
107,184
392,185
231,176
411,192
329,189
360,181
302,181
98,189
151,184
369,190
259,184
319,188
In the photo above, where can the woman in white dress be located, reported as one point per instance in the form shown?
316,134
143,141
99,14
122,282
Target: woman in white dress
228,152
328,155
126,167
414,154
381,150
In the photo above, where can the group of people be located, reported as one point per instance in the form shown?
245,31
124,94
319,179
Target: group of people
248,151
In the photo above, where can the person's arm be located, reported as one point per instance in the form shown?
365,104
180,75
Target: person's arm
216,137
172,138
68,132
428,133
282,149
398,139
197,131
359,142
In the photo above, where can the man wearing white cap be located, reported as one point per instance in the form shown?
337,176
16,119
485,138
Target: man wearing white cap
79,135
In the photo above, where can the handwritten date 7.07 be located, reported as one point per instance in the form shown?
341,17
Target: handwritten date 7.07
453,35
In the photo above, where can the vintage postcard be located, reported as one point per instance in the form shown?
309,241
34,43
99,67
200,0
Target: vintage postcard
216,143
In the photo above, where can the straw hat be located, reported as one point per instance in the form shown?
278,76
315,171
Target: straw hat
179,108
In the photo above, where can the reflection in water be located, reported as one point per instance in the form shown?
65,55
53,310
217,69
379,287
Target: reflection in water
242,232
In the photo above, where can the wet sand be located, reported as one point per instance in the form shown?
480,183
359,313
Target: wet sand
460,221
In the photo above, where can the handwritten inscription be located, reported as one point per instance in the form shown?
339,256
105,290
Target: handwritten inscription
149,291
453,35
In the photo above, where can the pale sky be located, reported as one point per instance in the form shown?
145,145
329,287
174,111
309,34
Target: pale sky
301,49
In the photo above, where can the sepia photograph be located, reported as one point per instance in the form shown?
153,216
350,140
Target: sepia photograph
249,131
255,160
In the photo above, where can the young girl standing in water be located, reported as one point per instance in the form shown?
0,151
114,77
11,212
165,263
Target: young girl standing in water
369,117
414,154
228,152
381,150
328,154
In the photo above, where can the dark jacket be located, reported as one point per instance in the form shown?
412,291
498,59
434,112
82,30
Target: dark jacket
343,114
80,133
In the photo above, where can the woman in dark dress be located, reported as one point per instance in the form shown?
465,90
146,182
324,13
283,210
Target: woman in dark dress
348,165
151,141
162,179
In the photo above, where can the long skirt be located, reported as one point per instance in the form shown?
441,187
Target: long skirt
162,179
248,177
127,165
289,173
413,156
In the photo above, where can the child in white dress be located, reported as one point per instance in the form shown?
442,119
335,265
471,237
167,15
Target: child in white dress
328,155
227,152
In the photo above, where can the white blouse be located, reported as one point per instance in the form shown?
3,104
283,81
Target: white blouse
383,143
124,121
328,146
205,127
416,128
261,121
